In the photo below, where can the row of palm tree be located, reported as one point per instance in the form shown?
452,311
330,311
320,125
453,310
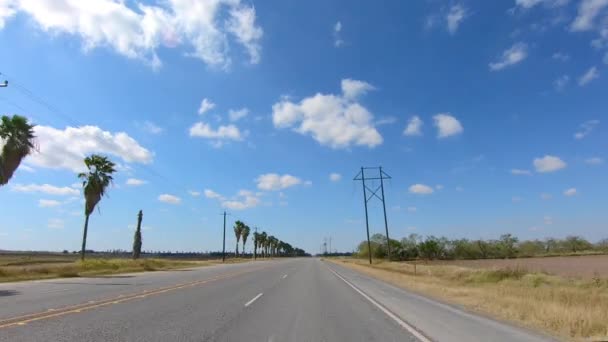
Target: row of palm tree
17,135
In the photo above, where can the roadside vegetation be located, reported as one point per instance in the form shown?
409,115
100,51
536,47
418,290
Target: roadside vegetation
570,308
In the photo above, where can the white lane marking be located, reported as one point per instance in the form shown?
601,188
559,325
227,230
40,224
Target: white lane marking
253,300
394,317
284,276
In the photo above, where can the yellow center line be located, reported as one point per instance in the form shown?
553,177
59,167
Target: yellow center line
51,313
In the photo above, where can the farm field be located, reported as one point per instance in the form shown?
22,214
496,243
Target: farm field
584,266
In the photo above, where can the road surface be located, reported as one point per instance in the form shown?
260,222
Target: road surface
282,300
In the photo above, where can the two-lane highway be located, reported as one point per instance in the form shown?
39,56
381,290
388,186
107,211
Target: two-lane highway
286,300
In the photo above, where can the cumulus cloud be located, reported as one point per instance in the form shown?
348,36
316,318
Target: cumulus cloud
275,182
206,105
588,11
212,194
171,199
46,203
219,135
207,28
421,189
570,192
527,4
548,164
447,125
414,127
520,172
66,149
135,182
513,55
454,18
236,115
151,127
586,128
338,121
46,189
243,200
588,76
334,177
338,41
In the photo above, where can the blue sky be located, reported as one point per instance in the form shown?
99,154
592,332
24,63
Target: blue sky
489,116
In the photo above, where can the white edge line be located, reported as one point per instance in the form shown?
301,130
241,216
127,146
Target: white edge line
253,300
394,317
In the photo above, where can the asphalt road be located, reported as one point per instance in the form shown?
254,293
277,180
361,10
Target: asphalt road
286,300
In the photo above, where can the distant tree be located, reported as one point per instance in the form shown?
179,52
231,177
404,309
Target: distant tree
256,241
577,243
238,231
507,244
530,248
430,248
245,235
262,243
137,238
95,183
17,134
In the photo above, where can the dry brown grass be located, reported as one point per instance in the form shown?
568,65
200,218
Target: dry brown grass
574,309
45,269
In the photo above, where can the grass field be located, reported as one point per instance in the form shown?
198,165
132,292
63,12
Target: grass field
573,308
585,266
16,267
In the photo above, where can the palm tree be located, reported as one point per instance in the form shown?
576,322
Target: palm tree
256,241
94,183
238,231
245,235
263,240
271,244
18,137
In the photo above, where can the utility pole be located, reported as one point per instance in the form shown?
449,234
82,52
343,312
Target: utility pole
374,193
330,245
224,245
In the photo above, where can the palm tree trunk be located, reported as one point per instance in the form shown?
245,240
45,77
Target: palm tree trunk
84,237
237,250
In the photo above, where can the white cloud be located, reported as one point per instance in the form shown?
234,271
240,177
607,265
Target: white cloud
545,196
167,198
46,203
447,125
520,172
548,164
414,127
388,120
439,187
588,76
586,128
421,189
352,89
207,28
222,133
513,55
194,193
337,36
570,192
548,220
55,223
594,161
338,121
561,82
275,182
588,10
212,194
236,115
527,4
151,127
66,149
135,182
26,168
560,56
206,105
244,200
412,209
334,177
454,18
46,189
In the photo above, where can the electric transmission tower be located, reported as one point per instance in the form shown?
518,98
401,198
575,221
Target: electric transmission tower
381,175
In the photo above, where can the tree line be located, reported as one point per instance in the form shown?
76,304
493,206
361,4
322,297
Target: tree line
431,247
18,137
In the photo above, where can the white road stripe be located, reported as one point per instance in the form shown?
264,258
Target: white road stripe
253,300
284,276
394,317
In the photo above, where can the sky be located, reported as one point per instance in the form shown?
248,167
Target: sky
488,115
